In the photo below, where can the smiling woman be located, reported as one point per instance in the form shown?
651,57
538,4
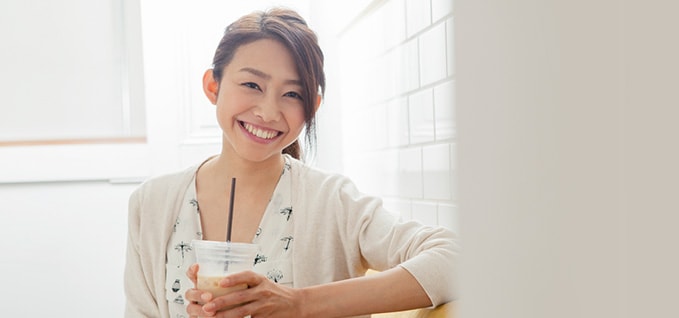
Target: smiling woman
317,233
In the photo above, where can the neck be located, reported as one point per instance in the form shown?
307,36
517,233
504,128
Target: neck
247,173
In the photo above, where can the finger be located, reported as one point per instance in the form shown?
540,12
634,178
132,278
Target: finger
197,295
196,310
192,295
239,311
247,278
230,301
192,273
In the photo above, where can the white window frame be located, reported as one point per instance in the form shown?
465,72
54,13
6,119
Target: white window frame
76,159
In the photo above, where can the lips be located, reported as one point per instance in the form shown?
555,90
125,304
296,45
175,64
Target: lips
259,131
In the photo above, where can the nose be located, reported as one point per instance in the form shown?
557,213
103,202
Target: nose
267,109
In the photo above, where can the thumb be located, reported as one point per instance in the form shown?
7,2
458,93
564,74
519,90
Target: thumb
192,273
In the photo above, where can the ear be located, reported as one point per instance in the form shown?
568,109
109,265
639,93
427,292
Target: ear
210,86
319,98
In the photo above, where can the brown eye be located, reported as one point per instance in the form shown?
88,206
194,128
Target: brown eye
252,85
293,95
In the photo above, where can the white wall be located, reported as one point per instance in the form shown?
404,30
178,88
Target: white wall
390,95
63,248
566,116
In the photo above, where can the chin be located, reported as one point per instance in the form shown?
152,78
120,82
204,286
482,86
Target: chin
259,157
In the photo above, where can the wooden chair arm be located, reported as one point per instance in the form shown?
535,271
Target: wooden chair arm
444,311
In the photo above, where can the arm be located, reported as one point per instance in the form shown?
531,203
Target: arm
392,290
355,233
427,253
140,300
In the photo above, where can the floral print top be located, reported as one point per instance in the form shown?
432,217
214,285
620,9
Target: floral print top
274,237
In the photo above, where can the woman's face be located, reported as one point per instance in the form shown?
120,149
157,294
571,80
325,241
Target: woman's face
259,101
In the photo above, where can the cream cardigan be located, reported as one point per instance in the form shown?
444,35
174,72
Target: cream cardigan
339,233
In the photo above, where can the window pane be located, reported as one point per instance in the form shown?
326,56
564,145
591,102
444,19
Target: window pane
64,72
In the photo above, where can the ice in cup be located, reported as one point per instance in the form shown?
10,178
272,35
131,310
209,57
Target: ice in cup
217,260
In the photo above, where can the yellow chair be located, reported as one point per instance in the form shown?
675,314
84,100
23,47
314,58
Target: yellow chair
443,311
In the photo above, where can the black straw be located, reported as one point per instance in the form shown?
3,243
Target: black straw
228,228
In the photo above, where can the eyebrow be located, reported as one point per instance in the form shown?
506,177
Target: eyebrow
266,76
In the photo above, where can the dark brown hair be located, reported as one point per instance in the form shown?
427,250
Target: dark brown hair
290,29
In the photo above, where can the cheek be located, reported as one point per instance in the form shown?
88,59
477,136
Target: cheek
296,118
222,117
227,109
221,110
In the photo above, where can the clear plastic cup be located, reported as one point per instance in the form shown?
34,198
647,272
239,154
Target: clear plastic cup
217,260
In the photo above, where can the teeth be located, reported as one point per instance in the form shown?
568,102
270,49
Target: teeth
265,134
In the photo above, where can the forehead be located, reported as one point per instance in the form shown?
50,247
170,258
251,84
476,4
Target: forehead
266,55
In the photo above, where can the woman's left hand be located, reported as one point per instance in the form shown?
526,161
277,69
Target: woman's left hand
262,298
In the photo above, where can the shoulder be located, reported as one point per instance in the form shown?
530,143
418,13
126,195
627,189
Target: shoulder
165,186
154,204
316,179
326,190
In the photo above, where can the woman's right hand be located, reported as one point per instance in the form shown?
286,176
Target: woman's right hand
261,298
196,297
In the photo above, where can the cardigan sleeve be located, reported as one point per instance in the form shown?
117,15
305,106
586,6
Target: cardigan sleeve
385,241
140,299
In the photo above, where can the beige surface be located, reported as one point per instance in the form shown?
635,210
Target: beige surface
443,311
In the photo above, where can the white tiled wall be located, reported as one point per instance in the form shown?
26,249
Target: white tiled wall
398,107
433,54
418,16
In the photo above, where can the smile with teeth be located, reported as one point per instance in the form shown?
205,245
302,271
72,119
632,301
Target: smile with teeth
259,132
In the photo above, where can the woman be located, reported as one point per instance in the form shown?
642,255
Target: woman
317,233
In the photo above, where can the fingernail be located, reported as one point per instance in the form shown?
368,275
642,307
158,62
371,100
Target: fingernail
205,297
224,282
209,307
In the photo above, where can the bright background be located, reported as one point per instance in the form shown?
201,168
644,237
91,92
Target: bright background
70,161
544,132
